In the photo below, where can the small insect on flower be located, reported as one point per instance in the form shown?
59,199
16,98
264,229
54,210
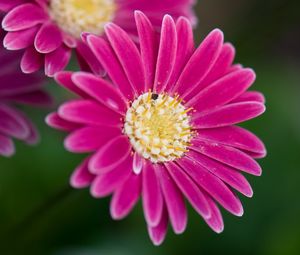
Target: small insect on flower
17,89
49,29
163,126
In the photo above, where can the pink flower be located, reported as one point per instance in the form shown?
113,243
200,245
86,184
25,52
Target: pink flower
163,126
17,88
49,29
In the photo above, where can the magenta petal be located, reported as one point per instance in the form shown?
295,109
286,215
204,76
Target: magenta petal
111,64
111,154
194,195
81,177
57,60
173,199
89,112
223,91
212,185
36,98
128,56
234,136
101,90
24,16
137,163
48,39
215,222
227,174
148,47
158,233
64,79
250,96
152,196
12,123
31,60
185,49
20,39
125,197
7,5
166,54
90,139
7,147
227,115
219,69
227,155
200,63
107,182
53,120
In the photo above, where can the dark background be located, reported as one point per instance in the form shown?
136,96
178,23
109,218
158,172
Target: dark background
40,214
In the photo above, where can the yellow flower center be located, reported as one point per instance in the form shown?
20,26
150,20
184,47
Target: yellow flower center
77,16
158,127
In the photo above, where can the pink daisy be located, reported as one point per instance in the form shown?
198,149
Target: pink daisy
49,29
17,88
163,127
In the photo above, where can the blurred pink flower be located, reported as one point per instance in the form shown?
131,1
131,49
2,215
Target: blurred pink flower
17,88
163,126
49,29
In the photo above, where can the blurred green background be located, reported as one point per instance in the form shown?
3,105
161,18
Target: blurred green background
40,214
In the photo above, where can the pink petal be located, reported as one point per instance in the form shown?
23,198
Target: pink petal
65,80
152,196
107,182
101,90
166,54
111,154
128,56
219,69
138,163
23,16
212,185
20,39
200,63
227,155
185,49
89,113
194,195
215,222
250,96
158,233
111,64
228,115
224,90
90,139
81,177
173,199
53,120
7,5
148,47
234,136
36,98
7,148
31,61
125,197
227,174
57,60
48,39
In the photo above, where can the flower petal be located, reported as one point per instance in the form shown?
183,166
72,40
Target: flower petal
23,16
166,54
194,195
227,155
81,177
227,115
55,121
212,185
107,182
173,199
111,154
152,195
215,222
158,233
31,61
125,197
7,148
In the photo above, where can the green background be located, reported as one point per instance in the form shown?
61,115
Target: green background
40,213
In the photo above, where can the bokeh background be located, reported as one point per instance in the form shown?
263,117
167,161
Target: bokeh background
40,214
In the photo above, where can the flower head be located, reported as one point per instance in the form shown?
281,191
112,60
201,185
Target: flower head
17,89
163,126
49,29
